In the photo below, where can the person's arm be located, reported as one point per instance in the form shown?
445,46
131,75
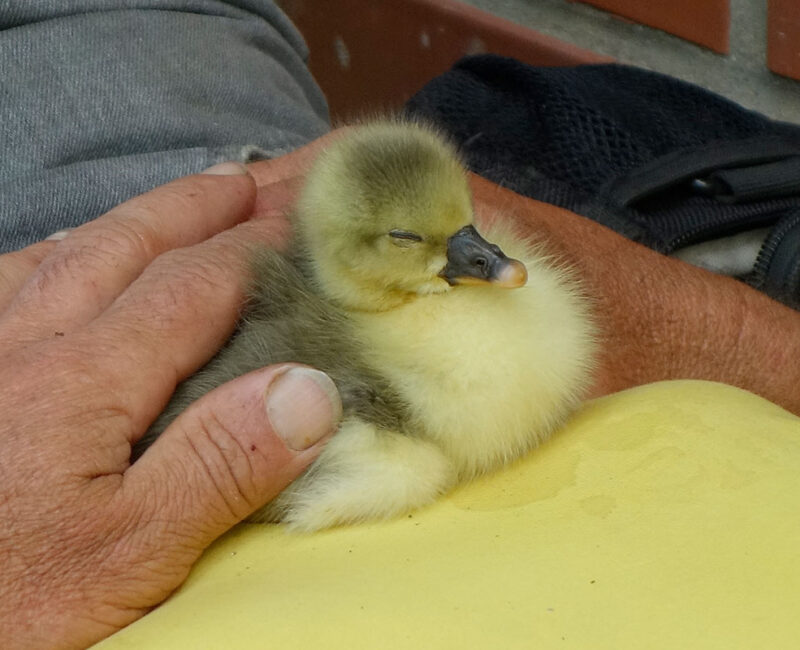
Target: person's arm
661,318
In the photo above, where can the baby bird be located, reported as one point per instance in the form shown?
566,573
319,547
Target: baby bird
451,357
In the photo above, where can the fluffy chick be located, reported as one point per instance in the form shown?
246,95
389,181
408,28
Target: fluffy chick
451,357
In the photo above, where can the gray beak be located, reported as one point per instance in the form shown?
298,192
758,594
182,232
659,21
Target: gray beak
473,260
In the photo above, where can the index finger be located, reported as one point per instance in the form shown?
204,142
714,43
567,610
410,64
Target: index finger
171,320
89,268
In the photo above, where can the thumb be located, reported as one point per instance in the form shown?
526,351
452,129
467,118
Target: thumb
234,450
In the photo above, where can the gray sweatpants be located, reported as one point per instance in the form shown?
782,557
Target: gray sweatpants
101,100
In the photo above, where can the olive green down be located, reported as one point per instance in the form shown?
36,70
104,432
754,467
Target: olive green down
286,320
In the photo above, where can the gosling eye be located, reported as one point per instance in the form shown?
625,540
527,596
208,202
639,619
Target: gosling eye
404,236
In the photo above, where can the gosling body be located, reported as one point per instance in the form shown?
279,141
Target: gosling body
448,361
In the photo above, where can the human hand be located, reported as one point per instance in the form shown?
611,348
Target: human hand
95,331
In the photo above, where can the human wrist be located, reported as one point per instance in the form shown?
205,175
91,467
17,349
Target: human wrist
659,318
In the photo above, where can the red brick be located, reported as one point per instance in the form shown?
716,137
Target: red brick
705,22
372,55
783,37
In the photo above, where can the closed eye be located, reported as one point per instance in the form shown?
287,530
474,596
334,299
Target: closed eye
404,234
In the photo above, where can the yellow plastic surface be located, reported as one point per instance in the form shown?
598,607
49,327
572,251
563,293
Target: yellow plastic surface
667,516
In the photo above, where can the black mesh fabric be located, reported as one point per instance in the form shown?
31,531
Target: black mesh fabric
567,135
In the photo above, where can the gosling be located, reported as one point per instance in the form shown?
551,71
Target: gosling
452,355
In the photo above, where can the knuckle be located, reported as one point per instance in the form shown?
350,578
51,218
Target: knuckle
128,238
223,463
82,261
108,245
69,262
183,277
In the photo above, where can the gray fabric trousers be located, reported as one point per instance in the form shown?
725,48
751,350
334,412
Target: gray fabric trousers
101,100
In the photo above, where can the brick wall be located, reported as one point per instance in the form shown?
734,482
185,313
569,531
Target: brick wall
747,50
706,22
783,37
371,55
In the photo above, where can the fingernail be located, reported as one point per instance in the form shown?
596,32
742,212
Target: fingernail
229,168
58,236
303,405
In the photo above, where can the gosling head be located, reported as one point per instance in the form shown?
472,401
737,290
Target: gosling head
386,215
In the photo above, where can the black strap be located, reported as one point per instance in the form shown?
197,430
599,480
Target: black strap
781,178
706,164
